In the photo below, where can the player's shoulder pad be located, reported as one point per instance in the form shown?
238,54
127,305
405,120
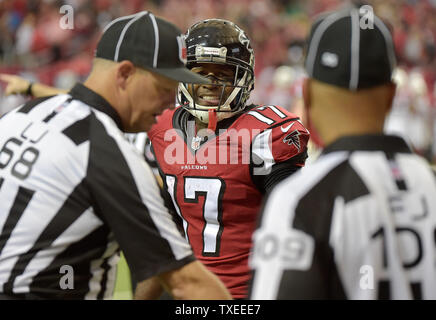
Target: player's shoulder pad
286,137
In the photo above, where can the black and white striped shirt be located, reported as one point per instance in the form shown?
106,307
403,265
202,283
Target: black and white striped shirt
360,223
72,191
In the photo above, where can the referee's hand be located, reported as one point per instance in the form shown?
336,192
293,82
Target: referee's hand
15,84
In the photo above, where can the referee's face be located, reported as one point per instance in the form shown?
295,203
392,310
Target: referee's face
150,94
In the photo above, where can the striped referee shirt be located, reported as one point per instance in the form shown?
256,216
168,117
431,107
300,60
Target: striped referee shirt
360,223
72,191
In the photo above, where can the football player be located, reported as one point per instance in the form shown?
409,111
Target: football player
219,155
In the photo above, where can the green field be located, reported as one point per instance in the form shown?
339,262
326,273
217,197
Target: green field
123,287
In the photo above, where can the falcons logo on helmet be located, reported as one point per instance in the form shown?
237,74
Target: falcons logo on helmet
293,138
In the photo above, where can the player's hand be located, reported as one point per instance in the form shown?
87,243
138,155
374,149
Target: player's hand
15,84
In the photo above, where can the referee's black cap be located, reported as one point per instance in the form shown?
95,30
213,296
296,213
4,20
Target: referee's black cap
350,48
148,42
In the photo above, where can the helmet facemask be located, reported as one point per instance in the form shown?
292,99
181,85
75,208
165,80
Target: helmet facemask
232,94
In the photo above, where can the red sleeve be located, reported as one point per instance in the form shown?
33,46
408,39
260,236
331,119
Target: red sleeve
288,140
283,139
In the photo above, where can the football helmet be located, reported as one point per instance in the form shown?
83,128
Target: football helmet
219,42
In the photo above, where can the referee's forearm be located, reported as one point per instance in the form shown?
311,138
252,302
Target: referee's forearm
194,282
149,289
41,90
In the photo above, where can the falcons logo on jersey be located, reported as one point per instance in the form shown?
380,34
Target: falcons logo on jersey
293,139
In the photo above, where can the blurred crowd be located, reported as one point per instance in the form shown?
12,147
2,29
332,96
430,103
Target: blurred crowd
33,45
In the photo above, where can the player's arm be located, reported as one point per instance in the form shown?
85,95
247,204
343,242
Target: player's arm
283,170
150,289
19,85
277,153
192,281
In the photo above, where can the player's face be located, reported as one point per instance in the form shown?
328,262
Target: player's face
213,94
151,95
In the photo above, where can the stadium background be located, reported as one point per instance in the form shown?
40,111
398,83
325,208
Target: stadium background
33,45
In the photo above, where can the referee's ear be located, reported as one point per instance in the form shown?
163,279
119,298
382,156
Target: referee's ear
125,70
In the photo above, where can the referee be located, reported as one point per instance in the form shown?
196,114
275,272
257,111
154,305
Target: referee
360,223
73,191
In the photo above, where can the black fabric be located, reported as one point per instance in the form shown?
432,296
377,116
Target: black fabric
341,46
385,143
314,213
46,283
343,182
384,290
12,296
71,210
334,51
122,208
107,45
313,216
321,281
279,172
78,132
135,39
105,266
96,101
139,42
20,204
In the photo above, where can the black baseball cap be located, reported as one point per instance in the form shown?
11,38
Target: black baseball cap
148,42
350,48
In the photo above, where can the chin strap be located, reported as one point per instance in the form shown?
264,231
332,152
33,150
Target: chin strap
212,120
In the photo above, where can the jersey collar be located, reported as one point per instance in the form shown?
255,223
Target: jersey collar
376,142
96,101
182,120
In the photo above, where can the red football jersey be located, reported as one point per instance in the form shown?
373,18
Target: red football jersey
212,183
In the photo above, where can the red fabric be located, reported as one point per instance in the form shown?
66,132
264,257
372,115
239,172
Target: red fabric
231,189
212,120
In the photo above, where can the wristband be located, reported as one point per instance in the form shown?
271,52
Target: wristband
29,89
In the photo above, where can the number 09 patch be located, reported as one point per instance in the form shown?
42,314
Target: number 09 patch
292,250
